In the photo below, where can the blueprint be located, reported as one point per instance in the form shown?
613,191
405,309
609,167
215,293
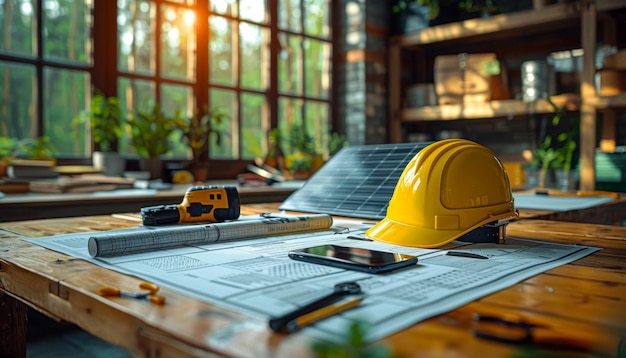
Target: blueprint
256,277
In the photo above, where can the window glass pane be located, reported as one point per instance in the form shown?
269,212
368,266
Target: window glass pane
254,126
178,43
63,98
226,7
136,96
289,15
317,68
290,64
186,2
316,18
289,119
254,63
136,36
17,18
228,148
18,86
222,58
253,10
66,30
177,100
317,119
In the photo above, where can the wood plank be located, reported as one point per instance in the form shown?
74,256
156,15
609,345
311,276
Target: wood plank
605,236
607,102
501,108
605,339
12,327
395,95
570,306
613,290
521,22
587,90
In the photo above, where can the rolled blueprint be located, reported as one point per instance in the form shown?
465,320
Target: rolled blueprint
123,243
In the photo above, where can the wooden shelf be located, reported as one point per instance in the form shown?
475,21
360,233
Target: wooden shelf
607,102
550,28
504,108
534,20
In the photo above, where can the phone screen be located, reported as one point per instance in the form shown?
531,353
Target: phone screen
354,258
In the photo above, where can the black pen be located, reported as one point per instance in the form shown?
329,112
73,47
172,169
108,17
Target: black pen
466,254
357,237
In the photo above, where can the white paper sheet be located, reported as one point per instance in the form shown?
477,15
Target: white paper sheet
558,203
256,276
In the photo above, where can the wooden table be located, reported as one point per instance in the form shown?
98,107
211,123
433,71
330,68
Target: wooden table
588,295
28,206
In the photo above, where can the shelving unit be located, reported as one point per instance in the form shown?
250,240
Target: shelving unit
551,28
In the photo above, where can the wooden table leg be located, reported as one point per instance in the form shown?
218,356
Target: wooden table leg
13,323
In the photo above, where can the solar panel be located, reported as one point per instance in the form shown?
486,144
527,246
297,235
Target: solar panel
358,181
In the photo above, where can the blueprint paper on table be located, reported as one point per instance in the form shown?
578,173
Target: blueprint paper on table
256,276
558,203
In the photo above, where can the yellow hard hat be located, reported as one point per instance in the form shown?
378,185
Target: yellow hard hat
451,189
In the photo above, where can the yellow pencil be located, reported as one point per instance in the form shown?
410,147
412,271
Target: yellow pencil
322,313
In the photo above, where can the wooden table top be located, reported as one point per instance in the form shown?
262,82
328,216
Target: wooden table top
27,206
588,295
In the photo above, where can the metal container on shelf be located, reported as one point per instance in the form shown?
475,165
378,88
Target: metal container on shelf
420,95
536,80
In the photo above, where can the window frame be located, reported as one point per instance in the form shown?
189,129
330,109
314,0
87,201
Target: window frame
104,72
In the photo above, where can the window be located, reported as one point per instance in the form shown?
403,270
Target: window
45,70
267,64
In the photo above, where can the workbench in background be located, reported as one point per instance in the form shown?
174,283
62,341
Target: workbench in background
28,206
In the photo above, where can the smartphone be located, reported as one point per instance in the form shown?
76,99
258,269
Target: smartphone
353,258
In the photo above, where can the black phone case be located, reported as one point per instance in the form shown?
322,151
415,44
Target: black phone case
350,265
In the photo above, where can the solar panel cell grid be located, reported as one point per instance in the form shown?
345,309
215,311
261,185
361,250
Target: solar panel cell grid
356,182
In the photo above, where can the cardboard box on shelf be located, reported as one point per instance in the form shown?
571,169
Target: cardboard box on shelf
463,78
611,82
616,61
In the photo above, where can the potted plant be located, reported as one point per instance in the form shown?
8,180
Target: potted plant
556,154
197,131
301,156
336,142
413,15
481,8
8,146
106,123
150,137
39,148
565,151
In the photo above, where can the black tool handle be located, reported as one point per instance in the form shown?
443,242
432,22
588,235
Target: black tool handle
278,324
160,215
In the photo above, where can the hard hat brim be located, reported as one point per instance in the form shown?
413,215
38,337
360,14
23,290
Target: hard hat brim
394,232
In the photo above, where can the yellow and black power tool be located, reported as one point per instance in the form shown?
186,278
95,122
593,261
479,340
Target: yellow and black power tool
201,203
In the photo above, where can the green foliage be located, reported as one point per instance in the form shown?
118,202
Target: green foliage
336,141
484,7
36,148
8,146
403,5
298,140
353,345
545,154
197,131
298,147
150,132
559,153
105,119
